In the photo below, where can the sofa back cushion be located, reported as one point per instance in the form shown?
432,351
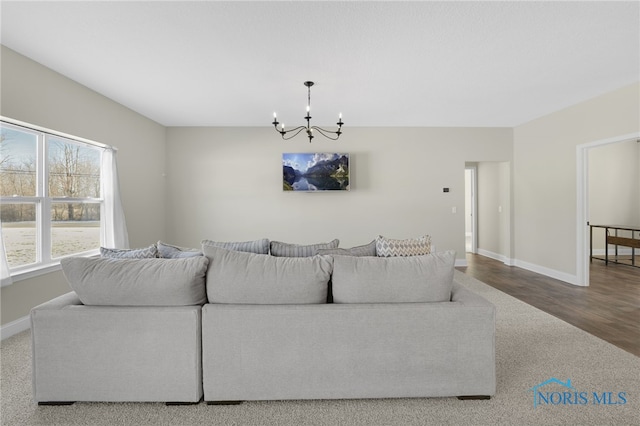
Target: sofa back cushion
248,278
137,282
256,246
427,278
298,250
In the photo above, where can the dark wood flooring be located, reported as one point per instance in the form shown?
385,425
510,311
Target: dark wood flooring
608,308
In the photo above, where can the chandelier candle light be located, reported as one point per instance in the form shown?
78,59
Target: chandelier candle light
308,128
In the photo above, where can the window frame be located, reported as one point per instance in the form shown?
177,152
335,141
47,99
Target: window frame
44,261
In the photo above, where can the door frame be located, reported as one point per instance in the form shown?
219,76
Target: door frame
474,207
582,208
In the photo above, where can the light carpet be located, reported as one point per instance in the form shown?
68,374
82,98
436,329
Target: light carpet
531,347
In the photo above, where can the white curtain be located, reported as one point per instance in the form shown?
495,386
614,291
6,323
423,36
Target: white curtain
5,277
114,233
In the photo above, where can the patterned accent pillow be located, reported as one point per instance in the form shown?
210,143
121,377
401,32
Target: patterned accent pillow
167,251
365,250
279,249
387,247
141,253
257,246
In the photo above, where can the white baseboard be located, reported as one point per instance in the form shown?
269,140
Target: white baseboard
15,327
496,256
552,273
461,263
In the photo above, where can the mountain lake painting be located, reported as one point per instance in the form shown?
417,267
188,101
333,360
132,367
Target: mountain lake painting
322,171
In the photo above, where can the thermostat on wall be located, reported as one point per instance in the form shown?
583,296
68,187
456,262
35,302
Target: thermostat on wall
445,189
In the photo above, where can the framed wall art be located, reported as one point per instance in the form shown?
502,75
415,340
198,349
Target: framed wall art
318,171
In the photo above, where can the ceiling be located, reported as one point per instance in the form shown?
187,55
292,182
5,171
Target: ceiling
214,63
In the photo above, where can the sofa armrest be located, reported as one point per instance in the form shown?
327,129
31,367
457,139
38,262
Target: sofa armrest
461,294
60,302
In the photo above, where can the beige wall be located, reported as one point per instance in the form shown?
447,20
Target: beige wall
494,210
545,175
37,95
226,184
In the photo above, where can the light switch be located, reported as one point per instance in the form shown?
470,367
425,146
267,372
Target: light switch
454,210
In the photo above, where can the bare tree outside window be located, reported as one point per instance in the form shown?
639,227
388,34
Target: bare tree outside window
72,195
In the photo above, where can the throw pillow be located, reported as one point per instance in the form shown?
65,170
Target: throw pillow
364,250
280,249
167,251
257,246
141,253
137,282
387,247
248,278
427,278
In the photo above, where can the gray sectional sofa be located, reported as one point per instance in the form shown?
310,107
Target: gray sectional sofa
231,326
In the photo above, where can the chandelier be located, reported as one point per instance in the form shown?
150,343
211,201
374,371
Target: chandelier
309,129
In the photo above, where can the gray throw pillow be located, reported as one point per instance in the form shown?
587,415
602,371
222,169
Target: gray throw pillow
297,250
256,246
364,250
141,253
418,279
137,282
167,251
248,278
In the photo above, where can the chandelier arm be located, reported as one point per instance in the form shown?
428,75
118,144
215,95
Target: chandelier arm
296,130
324,132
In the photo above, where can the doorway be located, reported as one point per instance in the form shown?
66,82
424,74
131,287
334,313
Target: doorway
582,220
470,208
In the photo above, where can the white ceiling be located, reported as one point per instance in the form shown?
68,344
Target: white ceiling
212,63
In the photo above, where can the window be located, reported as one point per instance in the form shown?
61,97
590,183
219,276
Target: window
51,196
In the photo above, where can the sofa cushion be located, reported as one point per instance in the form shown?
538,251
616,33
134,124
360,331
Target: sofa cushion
297,250
256,246
137,282
387,247
427,278
248,278
168,251
364,250
141,253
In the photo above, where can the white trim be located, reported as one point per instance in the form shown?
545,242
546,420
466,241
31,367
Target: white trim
552,273
474,206
15,327
41,129
461,263
582,203
35,271
496,256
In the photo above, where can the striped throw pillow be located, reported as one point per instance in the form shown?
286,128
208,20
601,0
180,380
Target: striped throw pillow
141,253
296,250
256,246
